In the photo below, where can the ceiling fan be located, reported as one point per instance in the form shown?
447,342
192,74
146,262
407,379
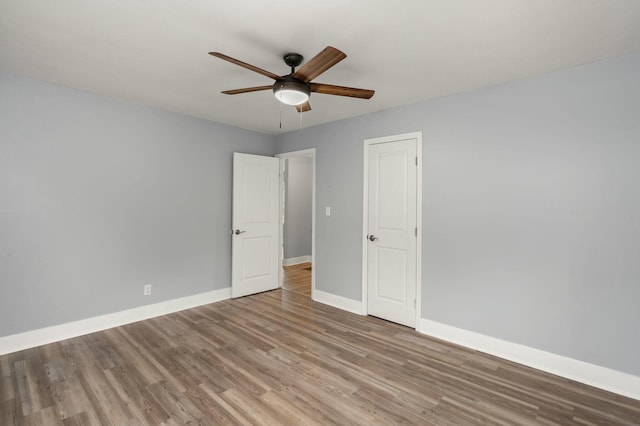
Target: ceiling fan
296,87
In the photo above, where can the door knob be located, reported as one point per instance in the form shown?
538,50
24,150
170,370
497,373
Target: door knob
238,232
373,238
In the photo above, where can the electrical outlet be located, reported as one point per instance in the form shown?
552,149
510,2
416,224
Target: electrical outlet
147,289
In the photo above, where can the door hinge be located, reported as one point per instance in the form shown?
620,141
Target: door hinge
416,232
415,303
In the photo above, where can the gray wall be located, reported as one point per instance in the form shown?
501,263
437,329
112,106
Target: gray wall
99,197
298,207
531,209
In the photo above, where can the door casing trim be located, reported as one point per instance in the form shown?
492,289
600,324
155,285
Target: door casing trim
311,152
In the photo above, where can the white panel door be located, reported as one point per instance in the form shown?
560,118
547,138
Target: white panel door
255,224
391,239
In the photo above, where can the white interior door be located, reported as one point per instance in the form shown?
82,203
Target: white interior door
255,224
392,231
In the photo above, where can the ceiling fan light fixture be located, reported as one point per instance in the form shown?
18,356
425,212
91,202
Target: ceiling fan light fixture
291,91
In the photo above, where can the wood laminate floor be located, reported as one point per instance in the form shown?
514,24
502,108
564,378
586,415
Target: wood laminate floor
297,278
278,358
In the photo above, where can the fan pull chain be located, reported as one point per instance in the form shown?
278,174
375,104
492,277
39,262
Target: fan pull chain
280,115
300,124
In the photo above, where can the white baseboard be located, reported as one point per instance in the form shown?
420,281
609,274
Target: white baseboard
296,260
43,336
349,305
583,372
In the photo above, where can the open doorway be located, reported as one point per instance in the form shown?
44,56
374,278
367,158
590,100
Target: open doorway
297,224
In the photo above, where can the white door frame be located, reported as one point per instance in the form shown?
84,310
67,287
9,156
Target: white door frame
311,152
365,217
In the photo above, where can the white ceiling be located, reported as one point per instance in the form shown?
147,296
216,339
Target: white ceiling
154,52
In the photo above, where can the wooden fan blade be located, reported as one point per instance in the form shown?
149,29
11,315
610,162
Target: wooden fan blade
330,89
319,64
304,107
244,65
246,90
